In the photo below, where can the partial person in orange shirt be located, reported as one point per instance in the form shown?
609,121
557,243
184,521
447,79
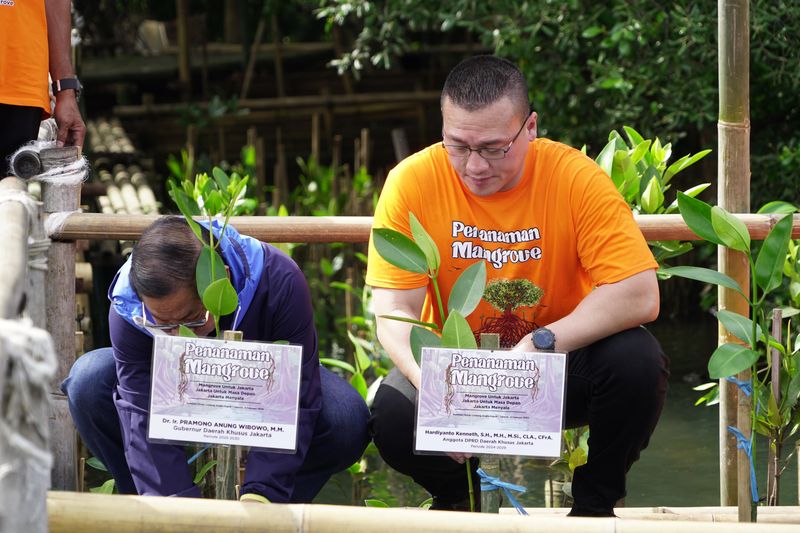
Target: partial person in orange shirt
35,42
538,211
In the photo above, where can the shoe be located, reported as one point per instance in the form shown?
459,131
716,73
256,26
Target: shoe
586,511
461,505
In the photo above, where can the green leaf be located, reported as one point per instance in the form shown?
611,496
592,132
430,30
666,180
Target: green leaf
639,151
606,157
705,386
420,338
97,464
399,250
105,488
425,504
633,136
361,358
653,197
468,289
777,207
360,384
375,503
731,231
412,321
203,277
221,177
338,363
771,257
738,326
697,215
456,332
692,192
203,471
592,31
220,298
425,242
730,359
183,331
683,163
184,206
705,275
577,458
773,412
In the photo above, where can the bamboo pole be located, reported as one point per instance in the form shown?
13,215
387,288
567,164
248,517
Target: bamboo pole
733,194
251,62
310,229
289,102
15,249
94,513
775,446
60,319
184,71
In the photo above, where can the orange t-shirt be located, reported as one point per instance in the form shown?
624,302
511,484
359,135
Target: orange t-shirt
24,57
564,227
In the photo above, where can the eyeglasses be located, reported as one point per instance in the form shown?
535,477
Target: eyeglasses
142,321
489,154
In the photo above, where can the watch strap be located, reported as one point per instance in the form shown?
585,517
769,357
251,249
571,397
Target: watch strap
67,83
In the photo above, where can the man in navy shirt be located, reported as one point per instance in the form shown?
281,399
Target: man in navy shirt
275,305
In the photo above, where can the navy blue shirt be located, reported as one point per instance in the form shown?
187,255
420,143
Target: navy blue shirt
280,310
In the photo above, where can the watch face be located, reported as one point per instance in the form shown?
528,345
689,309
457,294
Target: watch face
543,339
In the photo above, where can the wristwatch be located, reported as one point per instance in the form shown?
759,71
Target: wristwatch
543,339
68,83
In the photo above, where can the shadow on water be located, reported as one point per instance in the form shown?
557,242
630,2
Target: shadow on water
680,467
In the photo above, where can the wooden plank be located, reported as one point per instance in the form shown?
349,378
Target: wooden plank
60,320
99,226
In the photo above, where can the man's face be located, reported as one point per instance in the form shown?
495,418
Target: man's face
181,307
493,126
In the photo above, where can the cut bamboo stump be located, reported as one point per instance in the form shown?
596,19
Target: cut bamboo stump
94,513
60,319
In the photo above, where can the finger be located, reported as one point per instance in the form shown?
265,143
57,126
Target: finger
63,134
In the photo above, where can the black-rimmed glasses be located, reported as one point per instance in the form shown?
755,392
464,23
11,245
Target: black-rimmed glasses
142,321
489,154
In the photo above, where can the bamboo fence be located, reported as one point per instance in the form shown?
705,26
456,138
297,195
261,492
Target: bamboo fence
353,229
95,513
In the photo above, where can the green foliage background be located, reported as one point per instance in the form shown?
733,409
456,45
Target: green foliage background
593,65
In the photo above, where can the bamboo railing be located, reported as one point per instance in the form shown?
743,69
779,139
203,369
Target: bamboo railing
95,513
306,229
23,472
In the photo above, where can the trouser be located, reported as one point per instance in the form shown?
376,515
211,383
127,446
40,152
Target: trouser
617,386
340,434
18,125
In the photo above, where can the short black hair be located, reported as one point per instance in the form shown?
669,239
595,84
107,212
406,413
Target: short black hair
165,258
482,80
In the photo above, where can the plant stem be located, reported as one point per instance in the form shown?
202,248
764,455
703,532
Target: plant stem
469,482
439,301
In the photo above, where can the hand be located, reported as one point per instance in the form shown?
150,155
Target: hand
71,129
459,457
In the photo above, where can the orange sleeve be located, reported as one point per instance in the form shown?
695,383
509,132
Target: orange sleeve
392,212
610,245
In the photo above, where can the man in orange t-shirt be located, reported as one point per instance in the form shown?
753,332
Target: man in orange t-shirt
571,271
36,41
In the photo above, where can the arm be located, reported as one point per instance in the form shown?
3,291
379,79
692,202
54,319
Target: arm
608,309
71,129
271,474
157,469
394,335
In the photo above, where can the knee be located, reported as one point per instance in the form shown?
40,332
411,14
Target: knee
92,375
634,362
344,411
391,424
